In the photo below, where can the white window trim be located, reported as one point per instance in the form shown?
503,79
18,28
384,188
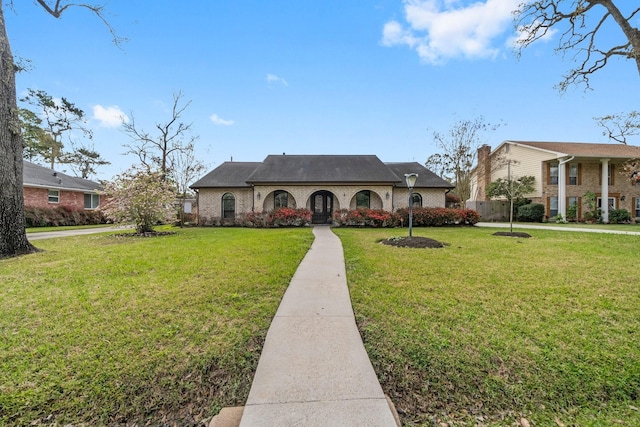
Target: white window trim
57,196
92,196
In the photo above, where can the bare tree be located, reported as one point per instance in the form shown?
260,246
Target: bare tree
458,153
584,26
618,127
13,237
173,137
184,169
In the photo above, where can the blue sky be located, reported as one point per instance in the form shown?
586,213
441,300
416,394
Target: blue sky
310,77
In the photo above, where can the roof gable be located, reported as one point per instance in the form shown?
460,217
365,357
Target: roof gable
228,174
582,149
39,176
426,178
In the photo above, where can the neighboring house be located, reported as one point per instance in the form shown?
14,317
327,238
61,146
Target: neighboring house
564,172
44,187
321,183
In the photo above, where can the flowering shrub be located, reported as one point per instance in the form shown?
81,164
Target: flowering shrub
365,218
289,217
438,217
281,217
140,197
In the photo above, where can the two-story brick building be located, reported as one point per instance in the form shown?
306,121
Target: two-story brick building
563,172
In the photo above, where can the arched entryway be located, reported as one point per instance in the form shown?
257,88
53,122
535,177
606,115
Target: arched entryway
322,207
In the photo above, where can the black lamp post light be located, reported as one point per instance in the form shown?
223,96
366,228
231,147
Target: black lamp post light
411,182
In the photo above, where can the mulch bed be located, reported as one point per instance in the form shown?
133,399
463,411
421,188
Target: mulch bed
513,234
146,234
413,242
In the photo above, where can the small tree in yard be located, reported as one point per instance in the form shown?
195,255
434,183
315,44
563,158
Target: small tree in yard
512,189
141,197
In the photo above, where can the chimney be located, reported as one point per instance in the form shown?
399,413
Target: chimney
483,171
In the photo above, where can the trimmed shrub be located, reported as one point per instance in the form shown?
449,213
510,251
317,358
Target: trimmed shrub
289,217
439,217
60,216
425,217
619,216
363,217
533,212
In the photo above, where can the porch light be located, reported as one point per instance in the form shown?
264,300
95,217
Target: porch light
411,181
258,195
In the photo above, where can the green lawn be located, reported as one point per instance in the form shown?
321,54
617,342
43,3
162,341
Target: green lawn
491,329
104,330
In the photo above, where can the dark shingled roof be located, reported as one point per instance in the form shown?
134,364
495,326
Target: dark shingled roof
228,174
294,169
584,149
322,168
39,176
426,178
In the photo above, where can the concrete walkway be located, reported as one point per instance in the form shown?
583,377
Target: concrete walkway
555,228
313,370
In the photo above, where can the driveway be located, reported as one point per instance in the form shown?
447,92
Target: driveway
66,233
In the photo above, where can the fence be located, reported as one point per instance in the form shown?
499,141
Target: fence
492,210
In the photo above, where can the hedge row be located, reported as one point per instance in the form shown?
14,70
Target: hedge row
288,217
60,216
282,217
421,217
438,217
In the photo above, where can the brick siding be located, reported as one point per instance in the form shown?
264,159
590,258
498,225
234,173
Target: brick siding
39,198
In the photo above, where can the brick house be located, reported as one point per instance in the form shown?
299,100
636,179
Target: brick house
564,172
320,183
44,187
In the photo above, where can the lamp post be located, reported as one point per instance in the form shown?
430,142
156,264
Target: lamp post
411,181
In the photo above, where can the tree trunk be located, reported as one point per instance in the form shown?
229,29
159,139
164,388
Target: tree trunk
13,237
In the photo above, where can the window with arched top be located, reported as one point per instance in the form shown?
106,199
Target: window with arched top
417,200
228,206
363,199
280,199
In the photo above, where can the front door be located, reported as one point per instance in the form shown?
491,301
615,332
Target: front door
322,207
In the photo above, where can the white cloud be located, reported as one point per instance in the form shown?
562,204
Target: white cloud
442,29
272,78
110,117
220,121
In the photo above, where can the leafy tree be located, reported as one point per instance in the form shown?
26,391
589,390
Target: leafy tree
60,117
13,237
139,196
511,188
83,161
173,138
458,153
36,141
585,35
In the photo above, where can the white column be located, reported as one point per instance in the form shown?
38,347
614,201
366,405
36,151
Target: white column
562,190
605,190
562,187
